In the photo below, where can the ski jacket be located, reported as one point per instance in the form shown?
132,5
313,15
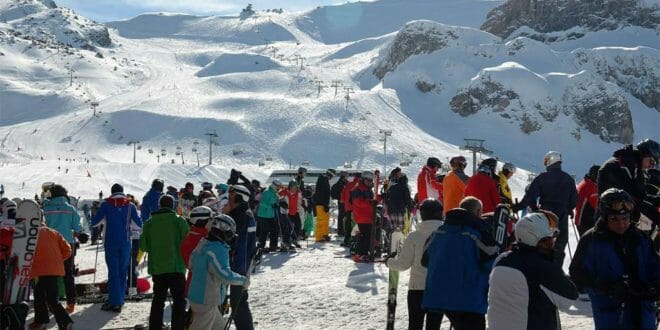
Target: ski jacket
525,290
398,197
187,202
322,192
427,185
52,250
601,262
161,238
62,217
245,243
556,191
459,258
346,194
335,191
622,172
484,187
453,191
149,204
120,217
504,190
293,201
362,198
209,264
190,242
587,201
411,254
268,204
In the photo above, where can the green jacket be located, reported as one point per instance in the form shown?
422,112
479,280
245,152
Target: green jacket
268,203
161,237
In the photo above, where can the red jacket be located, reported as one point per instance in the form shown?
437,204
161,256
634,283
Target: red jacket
427,185
291,199
587,198
346,194
484,187
188,244
362,198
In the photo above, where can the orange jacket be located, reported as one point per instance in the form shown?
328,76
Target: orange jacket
453,191
52,250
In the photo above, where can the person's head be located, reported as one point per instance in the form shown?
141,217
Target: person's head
551,158
472,205
116,189
593,173
430,209
293,185
171,190
649,151
204,194
223,228
207,186
367,177
615,206
276,185
508,169
57,190
302,171
166,202
458,163
256,184
343,175
434,163
221,188
377,173
330,173
238,194
488,166
538,229
189,187
395,173
200,216
157,185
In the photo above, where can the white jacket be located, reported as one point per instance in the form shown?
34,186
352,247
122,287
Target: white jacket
411,254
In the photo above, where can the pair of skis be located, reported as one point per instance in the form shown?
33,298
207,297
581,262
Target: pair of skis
396,241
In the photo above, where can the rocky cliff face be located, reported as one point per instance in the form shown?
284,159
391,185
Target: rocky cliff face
560,15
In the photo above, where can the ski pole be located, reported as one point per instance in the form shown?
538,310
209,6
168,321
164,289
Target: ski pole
570,253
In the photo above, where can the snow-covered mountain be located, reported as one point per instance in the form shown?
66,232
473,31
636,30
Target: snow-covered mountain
281,89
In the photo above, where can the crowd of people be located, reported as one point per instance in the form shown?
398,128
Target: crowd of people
200,246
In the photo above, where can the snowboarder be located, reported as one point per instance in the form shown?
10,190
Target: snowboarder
335,193
453,184
211,273
410,257
483,185
161,239
526,287
322,206
398,201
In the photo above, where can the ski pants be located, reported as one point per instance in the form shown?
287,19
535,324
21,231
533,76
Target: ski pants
241,308
297,226
267,226
322,223
175,283
348,227
45,297
285,225
416,314
117,259
364,240
205,317
466,320
396,220
69,276
340,219
562,240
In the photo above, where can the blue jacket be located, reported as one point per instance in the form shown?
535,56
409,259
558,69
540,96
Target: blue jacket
601,260
459,257
149,204
209,264
245,243
62,217
119,216
555,190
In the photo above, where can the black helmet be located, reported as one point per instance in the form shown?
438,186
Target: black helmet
649,148
458,161
430,209
57,190
434,162
615,201
207,186
593,173
157,185
489,164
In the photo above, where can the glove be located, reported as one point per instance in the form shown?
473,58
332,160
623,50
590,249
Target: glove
516,207
83,238
247,283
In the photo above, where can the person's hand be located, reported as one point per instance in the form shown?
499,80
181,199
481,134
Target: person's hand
516,207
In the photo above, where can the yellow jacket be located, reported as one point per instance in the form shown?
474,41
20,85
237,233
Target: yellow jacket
505,191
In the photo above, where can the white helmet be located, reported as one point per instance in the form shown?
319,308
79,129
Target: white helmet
223,227
509,167
367,175
551,157
212,203
533,227
242,191
200,215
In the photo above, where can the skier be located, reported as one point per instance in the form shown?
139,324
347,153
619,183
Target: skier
300,177
64,218
587,201
508,170
616,264
207,191
459,257
171,190
292,198
119,216
335,193
555,190
526,287
348,208
410,257
322,206
243,251
211,273
161,239
453,184
483,185
398,201
427,185
98,230
187,200
363,201
266,217
200,218
47,267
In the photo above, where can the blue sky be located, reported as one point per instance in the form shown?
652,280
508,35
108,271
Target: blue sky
109,10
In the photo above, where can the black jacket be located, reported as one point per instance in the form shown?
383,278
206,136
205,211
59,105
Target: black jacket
335,191
398,197
556,190
622,172
322,192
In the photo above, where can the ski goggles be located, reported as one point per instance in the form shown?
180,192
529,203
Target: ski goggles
618,217
553,221
621,205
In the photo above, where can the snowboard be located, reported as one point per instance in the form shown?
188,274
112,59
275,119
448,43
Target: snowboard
24,247
501,218
396,240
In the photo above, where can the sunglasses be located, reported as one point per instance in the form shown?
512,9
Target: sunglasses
622,205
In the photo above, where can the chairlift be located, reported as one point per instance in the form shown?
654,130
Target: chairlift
163,153
348,165
262,163
269,158
194,149
363,118
139,147
368,112
305,163
178,147
405,162
178,153
413,154
151,151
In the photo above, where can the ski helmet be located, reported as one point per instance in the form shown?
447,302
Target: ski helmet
221,187
207,186
223,227
649,148
552,157
488,165
116,188
241,191
157,185
509,168
458,161
433,162
615,201
533,227
330,172
430,208
593,172
211,202
200,216
302,170
367,175
277,183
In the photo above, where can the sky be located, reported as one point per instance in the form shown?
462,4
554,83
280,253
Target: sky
111,10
